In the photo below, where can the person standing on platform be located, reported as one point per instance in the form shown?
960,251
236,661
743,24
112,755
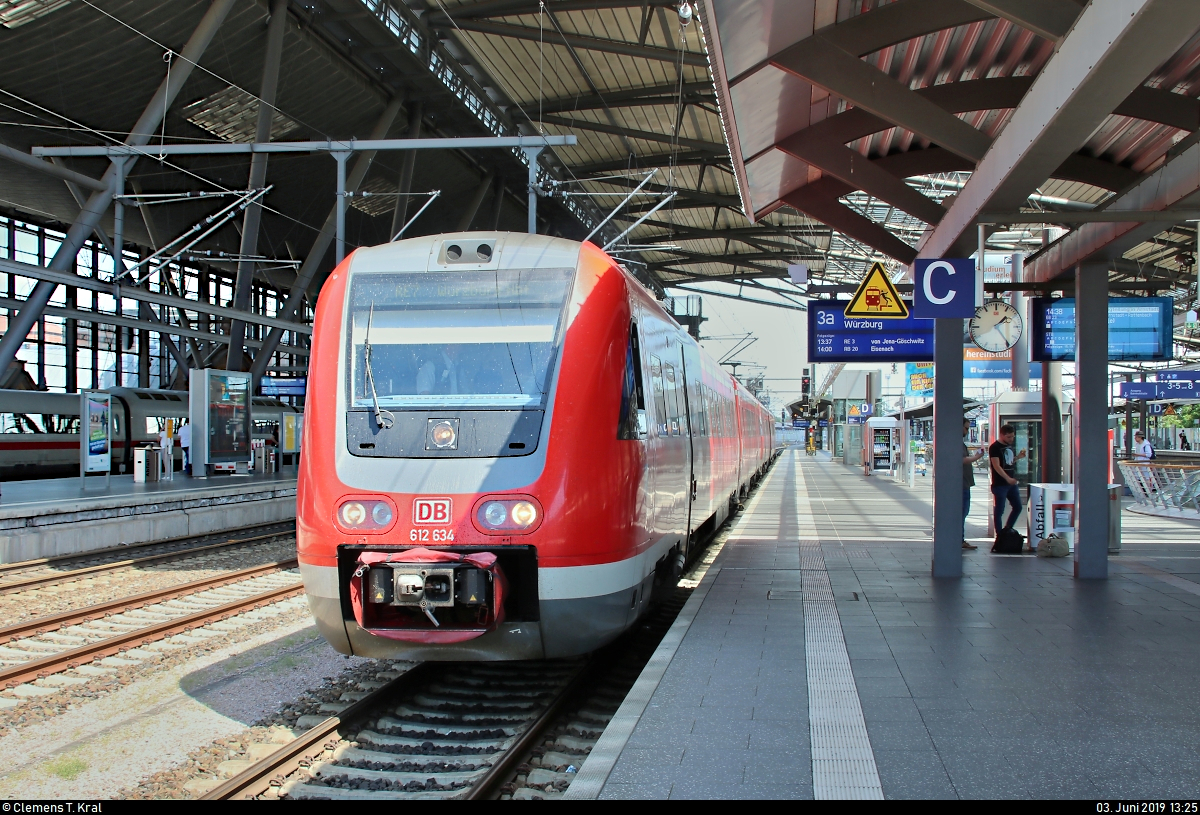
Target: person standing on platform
968,480
1184,444
1143,450
185,443
1004,476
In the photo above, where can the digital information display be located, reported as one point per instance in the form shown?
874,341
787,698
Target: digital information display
1139,329
834,337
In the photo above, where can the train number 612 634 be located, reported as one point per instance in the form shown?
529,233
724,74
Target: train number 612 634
427,535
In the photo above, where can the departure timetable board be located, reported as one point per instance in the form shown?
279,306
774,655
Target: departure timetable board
834,337
1139,329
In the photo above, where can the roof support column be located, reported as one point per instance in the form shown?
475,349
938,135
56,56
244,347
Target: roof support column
258,177
1091,421
947,448
532,154
21,323
472,208
316,255
404,188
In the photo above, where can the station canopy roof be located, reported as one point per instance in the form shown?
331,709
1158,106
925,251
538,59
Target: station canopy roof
902,124
827,132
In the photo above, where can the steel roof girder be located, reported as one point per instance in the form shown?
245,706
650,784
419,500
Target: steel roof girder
626,49
819,61
1076,90
1174,185
1049,19
861,173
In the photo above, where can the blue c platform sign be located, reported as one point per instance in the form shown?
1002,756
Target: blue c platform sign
944,288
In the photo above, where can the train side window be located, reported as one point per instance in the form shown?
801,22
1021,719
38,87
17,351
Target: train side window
672,387
631,423
660,403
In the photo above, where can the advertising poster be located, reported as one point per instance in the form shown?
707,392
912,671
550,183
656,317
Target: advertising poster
918,379
96,429
228,416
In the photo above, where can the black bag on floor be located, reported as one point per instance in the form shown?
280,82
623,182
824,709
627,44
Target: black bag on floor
1008,542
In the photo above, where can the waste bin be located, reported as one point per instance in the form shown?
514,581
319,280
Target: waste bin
145,464
1115,491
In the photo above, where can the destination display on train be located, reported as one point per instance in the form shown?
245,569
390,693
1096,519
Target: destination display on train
1139,329
834,337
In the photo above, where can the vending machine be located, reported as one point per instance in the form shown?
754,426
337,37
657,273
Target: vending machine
881,443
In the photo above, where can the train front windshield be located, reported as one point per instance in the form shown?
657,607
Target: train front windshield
461,338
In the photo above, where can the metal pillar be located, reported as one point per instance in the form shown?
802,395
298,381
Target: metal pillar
21,323
252,219
947,448
497,204
1091,421
532,154
472,208
339,251
1052,422
1128,422
1020,351
316,254
400,213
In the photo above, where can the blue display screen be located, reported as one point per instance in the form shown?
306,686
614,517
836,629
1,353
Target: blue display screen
834,337
1139,329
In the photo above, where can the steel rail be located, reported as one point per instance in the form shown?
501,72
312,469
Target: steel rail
256,779
42,625
79,574
488,786
56,663
272,770
6,568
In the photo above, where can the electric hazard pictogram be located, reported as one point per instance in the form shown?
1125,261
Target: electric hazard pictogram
877,297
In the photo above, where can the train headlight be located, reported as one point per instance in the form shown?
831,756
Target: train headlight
366,515
524,514
517,515
495,514
381,514
353,513
442,434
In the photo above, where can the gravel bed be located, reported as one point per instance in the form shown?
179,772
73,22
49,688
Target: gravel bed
88,688
206,766
108,745
105,586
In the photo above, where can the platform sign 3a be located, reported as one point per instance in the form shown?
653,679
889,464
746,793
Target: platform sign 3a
877,297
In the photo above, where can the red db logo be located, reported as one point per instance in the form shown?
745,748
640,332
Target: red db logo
432,511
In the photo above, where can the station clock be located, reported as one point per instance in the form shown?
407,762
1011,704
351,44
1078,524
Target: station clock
996,326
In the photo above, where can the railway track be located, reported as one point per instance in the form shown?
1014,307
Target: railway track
30,574
438,731
50,645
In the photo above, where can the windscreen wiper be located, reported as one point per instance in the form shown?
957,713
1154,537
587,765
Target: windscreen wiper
383,418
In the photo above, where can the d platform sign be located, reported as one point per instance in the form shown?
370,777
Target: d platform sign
944,288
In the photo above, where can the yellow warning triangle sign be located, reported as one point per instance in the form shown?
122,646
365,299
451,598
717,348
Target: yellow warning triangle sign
877,297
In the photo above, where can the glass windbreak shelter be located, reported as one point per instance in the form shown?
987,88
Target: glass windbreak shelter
1022,410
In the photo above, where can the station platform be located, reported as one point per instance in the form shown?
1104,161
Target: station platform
53,517
819,659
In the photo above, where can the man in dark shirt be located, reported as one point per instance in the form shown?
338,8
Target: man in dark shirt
1004,476
968,480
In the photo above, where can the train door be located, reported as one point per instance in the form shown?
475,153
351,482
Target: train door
644,388
672,477
699,466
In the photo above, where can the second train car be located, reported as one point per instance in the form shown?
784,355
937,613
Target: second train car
507,443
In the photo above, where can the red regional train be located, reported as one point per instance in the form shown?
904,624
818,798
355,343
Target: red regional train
508,442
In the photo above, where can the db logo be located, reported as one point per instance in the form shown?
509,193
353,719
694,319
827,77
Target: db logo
432,510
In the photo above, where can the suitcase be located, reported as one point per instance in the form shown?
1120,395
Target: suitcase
1008,542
